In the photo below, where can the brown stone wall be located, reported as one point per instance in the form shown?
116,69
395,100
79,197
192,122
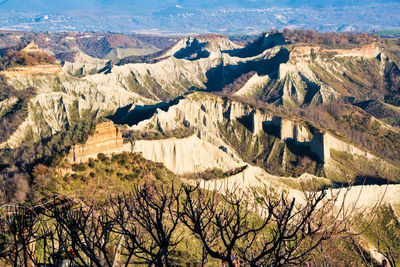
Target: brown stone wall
106,139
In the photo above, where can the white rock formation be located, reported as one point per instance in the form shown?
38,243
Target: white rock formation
331,142
83,64
294,130
253,84
187,155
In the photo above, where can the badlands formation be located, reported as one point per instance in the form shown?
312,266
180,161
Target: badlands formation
88,84
163,94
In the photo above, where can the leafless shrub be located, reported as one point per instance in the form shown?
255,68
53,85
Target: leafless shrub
14,186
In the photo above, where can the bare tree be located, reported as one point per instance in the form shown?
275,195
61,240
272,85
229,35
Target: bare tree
219,221
273,230
19,247
90,230
151,223
260,226
294,229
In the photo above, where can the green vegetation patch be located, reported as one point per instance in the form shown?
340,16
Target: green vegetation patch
152,133
270,153
214,173
50,150
383,231
111,175
136,87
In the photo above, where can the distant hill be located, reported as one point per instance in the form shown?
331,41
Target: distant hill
100,45
189,16
153,5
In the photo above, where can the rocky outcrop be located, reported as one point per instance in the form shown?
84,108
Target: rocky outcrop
333,143
294,130
63,99
366,51
205,113
196,44
106,139
250,177
7,104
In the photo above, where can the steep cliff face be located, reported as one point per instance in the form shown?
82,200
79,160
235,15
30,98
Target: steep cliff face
314,75
293,130
107,139
187,155
320,142
63,100
194,47
302,74
333,143
207,149
253,85
116,87
205,112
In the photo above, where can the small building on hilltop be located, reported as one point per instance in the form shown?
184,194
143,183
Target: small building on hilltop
106,139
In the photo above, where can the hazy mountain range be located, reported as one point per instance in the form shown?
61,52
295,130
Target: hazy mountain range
127,5
188,16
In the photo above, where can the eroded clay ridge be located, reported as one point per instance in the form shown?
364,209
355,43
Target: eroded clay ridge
106,139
